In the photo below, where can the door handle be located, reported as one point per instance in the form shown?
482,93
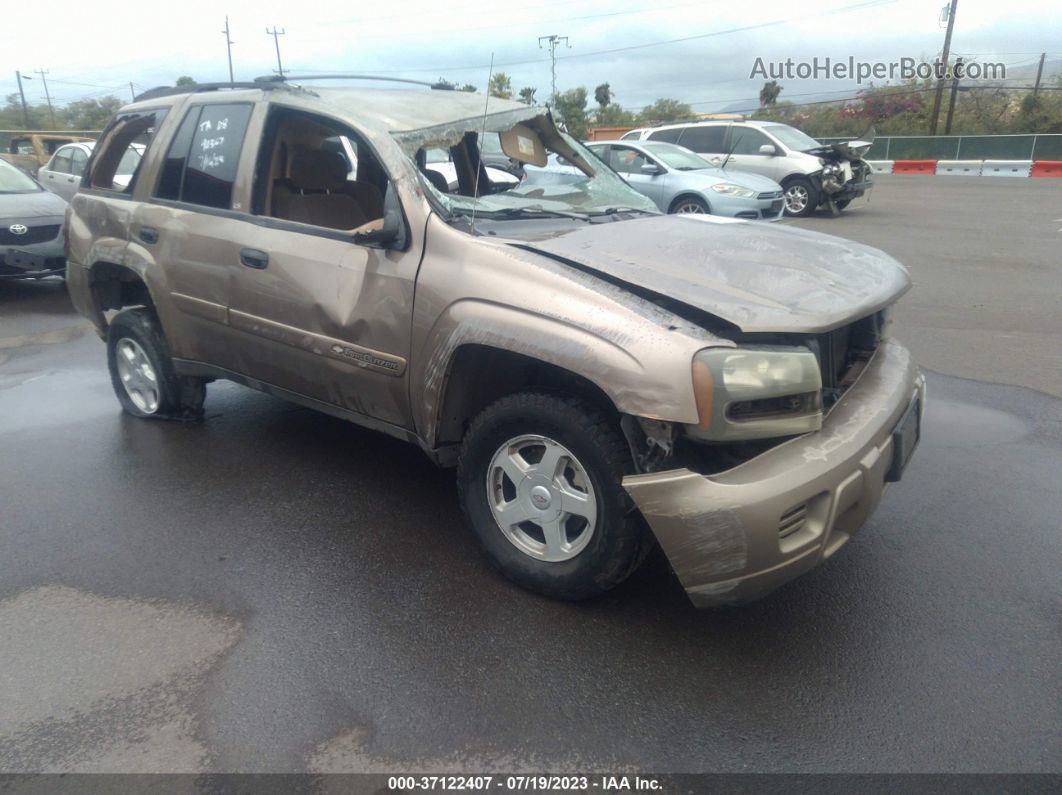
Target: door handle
149,235
253,258
71,179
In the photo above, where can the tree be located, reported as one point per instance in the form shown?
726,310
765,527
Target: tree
613,115
570,105
666,110
471,89
603,95
500,86
769,93
90,114
184,80
527,95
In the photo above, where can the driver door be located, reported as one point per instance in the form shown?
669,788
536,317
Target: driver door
628,162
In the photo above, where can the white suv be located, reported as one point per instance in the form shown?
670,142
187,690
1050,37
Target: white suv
811,173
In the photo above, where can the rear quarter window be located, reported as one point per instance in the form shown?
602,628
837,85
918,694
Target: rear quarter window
127,132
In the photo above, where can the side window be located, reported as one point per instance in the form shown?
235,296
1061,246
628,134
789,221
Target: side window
632,135
169,186
625,160
201,164
746,141
61,163
132,131
704,139
670,136
78,159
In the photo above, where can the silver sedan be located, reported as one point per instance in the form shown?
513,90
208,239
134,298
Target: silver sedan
680,181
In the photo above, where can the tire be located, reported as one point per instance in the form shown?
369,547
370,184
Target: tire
595,554
801,197
142,372
689,205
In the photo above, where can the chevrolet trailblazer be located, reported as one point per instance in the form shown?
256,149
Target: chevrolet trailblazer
602,376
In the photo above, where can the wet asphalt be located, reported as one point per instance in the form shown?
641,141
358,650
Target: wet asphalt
276,590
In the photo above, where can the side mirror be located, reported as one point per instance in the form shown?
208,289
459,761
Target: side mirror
651,169
387,232
769,149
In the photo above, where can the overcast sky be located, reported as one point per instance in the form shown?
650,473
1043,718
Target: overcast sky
98,47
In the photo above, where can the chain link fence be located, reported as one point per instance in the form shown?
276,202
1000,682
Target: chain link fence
963,147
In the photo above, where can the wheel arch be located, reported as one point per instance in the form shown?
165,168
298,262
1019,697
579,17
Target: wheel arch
689,194
465,395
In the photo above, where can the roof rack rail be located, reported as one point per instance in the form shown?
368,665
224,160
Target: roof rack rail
439,85
198,88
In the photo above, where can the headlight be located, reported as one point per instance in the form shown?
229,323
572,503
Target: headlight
733,190
756,393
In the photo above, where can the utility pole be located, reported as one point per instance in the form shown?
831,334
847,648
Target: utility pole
132,92
22,94
954,93
47,96
933,119
228,45
553,41
276,34
1039,74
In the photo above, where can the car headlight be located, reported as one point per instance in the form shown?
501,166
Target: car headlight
733,190
756,393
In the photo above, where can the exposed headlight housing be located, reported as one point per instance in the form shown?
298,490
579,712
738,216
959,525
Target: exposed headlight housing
757,392
733,190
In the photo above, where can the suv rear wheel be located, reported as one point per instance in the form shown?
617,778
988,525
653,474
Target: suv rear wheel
539,479
801,197
142,372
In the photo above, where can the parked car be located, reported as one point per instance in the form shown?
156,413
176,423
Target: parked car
601,375
812,174
62,173
31,227
30,151
679,181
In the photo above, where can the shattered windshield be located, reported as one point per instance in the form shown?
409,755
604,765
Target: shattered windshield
558,188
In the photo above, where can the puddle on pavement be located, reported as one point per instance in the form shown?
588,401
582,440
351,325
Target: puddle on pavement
950,423
101,684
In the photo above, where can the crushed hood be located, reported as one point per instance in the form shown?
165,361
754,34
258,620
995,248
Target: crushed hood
758,276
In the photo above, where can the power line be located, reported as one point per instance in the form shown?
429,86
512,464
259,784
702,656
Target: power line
228,46
47,96
276,34
553,40
742,29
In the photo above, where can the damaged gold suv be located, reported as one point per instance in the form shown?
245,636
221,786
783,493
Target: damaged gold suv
602,376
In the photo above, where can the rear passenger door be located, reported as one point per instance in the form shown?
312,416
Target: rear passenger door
191,226
56,176
708,141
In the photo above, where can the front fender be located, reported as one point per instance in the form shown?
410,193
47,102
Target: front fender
632,385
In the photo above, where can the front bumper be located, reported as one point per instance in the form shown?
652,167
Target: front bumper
735,536
765,206
33,261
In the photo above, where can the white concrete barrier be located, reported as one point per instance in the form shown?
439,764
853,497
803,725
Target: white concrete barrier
880,166
1006,168
959,168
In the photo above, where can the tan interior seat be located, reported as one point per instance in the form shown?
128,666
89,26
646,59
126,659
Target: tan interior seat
368,197
314,192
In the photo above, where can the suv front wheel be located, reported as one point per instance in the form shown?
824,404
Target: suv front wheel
142,372
540,481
